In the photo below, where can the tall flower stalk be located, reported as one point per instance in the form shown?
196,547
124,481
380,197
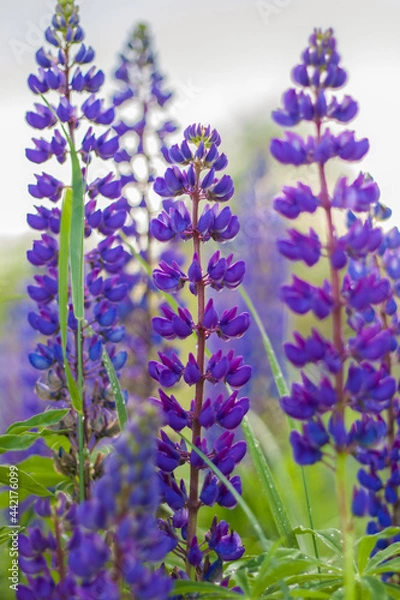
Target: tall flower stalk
143,126
200,181
67,83
329,433
108,546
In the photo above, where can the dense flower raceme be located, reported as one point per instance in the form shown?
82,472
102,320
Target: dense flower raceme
377,492
109,540
195,172
354,374
141,106
70,83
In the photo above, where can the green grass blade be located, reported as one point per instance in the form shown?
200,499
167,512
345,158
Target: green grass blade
282,387
116,388
279,379
63,272
267,483
77,223
147,268
239,499
77,236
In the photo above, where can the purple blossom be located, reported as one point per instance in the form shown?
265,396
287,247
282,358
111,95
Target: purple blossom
198,176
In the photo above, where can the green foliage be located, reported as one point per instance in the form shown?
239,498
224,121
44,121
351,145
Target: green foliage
268,487
45,419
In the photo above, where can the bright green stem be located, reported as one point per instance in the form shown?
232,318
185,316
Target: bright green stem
346,526
81,458
81,417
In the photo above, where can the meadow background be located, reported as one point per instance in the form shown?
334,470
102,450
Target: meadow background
228,62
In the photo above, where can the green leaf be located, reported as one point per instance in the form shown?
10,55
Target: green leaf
304,593
77,235
17,442
25,482
268,487
372,589
282,388
280,569
330,537
41,468
77,223
116,388
45,419
239,499
63,293
367,543
204,588
382,555
393,590
387,567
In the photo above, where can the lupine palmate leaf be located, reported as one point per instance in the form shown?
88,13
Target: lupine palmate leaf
17,442
41,468
25,482
330,537
376,561
367,543
372,588
393,591
45,419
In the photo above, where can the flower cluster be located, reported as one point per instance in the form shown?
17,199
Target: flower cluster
195,172
377,323
352,369
111,539
142,126
68,84
357,369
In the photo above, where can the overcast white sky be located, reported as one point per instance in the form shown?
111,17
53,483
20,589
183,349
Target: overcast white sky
228,59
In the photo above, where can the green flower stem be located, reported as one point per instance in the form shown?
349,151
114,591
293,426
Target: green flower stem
83,488
346,526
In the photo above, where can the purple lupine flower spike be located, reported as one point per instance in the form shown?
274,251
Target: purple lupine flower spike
107,541
141,104
71,83
195,172
356,370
